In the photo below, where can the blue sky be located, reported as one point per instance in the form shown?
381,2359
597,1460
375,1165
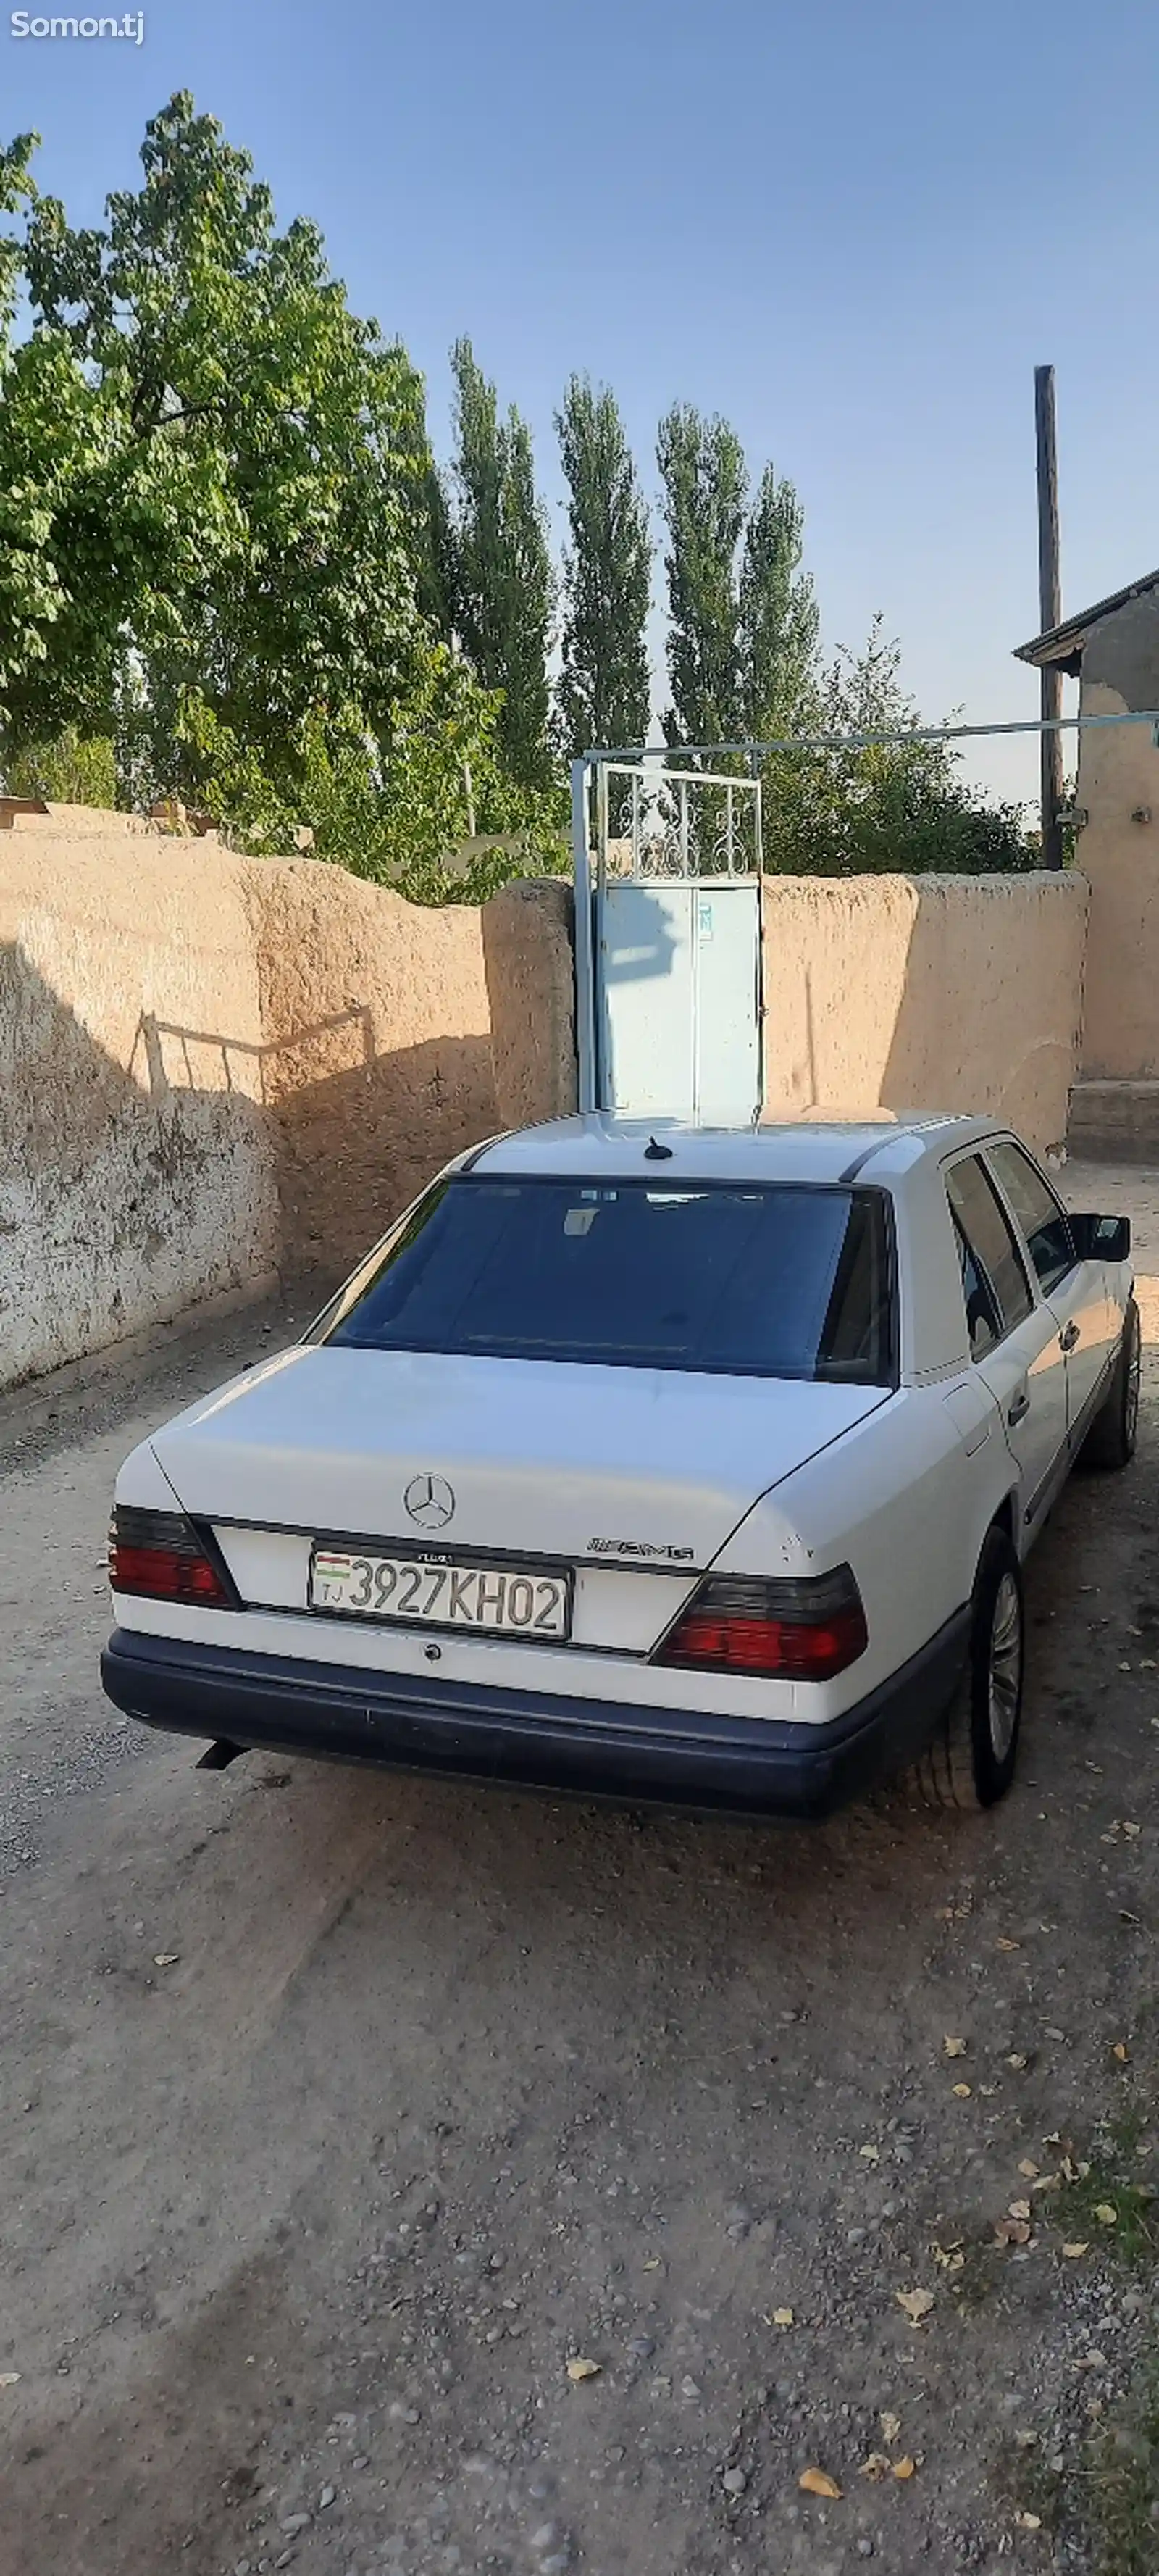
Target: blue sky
852,229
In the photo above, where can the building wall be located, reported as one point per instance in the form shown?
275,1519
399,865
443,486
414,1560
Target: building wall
1118,782
213,1069
904,993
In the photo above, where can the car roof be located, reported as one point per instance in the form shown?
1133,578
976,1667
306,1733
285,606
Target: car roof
806,1150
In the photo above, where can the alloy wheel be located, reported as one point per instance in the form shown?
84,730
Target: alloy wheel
1134,1369
1005,1667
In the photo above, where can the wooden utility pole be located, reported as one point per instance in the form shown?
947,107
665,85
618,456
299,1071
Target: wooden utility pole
1049,611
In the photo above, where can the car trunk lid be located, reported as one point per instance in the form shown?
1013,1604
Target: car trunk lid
646,1467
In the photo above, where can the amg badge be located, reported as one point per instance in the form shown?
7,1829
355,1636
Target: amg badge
641,1548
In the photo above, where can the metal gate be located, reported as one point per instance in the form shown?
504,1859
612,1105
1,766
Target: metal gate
668,941
667,918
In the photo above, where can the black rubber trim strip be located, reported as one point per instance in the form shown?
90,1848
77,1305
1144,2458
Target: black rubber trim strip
503,1137
535,1739
382,1544
860,1160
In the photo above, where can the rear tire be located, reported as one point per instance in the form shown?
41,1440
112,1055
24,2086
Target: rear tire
970,1762
1110,1442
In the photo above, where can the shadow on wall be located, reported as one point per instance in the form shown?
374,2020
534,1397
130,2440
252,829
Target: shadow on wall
353,1144
899,994
351,1136
126,1197
361,1044
988,1013
117,1209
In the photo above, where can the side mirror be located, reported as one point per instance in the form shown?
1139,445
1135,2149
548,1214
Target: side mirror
1102,1238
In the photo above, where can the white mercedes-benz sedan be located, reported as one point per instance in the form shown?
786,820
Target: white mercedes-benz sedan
668,1463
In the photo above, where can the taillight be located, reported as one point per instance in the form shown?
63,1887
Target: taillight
159,1556
804,1630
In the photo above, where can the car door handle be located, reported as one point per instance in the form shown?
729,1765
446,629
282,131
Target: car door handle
1067,1340
1019,1409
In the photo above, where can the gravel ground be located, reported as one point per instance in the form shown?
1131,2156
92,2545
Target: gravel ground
341,2114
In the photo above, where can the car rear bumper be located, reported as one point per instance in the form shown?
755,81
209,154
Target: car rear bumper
673,1757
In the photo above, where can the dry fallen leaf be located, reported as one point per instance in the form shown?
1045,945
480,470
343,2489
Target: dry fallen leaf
1011,2231
1120,2050
1028,2521
917,2304
1075,2251
962,2092
954,2047
876,2466
577,2370
818,2482
1009,1945
1106,2215
891,2427
1030,2170
1019,2209
1132,1831
906,2468
872,2155
1018,2063
166,1958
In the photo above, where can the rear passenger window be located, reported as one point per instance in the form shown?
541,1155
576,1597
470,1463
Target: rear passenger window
994,1281
983,1321
1044,1223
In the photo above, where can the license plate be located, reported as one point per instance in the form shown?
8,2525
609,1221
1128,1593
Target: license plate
421,1593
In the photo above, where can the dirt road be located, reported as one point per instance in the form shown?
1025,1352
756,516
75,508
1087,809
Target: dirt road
341,2112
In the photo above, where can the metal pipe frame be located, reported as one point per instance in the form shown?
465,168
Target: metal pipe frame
594,765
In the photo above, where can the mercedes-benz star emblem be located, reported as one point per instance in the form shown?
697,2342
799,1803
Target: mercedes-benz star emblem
430,1501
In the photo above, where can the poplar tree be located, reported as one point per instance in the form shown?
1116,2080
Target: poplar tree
603,692
501,577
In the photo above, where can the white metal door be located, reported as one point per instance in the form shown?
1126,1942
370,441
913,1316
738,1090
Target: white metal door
675,959
1026,1374
678,981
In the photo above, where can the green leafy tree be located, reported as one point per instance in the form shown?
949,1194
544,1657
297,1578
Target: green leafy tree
16,189
500,578
215,476
603,690
73,769
63,585
880,807
777,617
705,484
743,635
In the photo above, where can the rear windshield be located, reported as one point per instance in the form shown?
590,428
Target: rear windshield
774,1282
